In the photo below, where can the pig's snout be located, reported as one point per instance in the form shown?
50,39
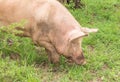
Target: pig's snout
80,60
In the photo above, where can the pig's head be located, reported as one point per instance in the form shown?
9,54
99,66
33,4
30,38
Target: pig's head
73,50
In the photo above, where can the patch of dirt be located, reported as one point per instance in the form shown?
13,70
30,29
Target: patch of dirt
91,48
117,5
13,56
10,42
43,65
105,66
3,56
99,79
50,73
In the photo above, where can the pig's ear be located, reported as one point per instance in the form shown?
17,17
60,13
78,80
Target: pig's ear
76,34
88,30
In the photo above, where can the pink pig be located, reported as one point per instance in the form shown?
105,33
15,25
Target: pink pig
49,25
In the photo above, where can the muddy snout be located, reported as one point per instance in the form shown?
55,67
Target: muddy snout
80,60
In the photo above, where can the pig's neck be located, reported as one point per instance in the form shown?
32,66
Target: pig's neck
63,33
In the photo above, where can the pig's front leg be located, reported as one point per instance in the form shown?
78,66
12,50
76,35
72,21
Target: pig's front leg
53,56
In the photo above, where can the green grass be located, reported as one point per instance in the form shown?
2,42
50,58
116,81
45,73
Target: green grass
102,50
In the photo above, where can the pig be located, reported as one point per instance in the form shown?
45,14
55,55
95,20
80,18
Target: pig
49,25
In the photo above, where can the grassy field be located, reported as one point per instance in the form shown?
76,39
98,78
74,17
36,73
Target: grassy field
101,50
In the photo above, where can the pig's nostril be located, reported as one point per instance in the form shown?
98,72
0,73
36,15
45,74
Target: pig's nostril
80,58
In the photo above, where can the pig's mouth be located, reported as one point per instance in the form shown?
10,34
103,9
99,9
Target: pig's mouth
70,60
78,60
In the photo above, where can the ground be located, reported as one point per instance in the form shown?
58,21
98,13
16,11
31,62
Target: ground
21,61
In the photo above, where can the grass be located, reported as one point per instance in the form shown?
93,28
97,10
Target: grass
102,50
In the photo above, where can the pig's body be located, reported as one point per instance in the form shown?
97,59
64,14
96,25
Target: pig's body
49,25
